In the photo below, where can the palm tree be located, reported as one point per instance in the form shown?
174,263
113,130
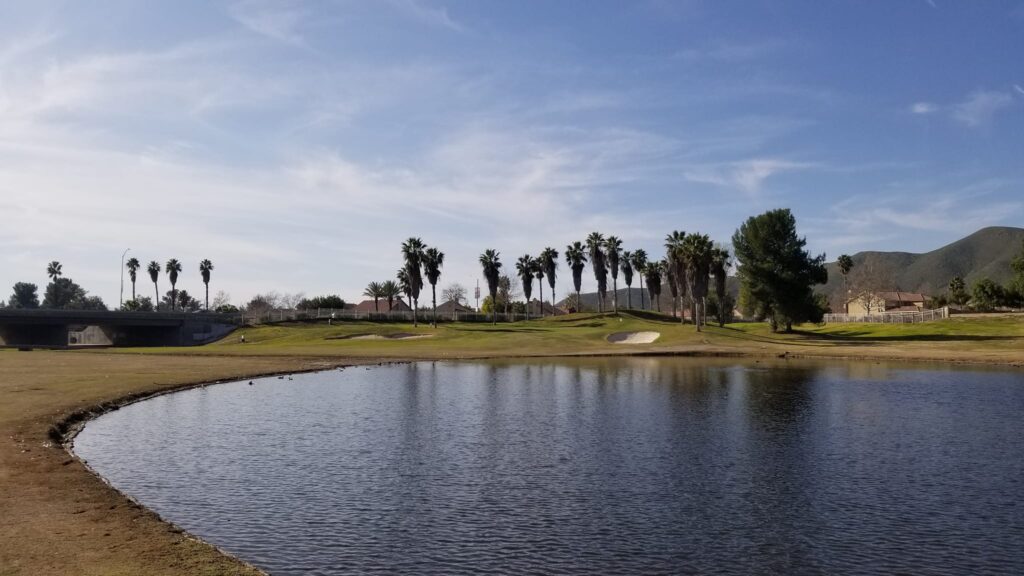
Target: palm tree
404,284
433,260
133,270
205,267
375,290
599,263
613,252
154,275
538,272
549,264
576,258
719,268
173,268
389,290
845,265
526,266
696,253
53,270
676,270
412,253
491,264
639,262
653,272
627,276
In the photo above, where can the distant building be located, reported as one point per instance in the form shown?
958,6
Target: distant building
453,307
535,308
878,302
382,306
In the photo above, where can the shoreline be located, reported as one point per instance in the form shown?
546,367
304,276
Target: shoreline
66,424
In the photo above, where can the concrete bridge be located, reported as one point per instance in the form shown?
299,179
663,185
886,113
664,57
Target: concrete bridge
89,328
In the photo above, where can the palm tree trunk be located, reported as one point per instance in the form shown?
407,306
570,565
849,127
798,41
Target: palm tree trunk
156,290
376,307
615,294
133,289
629,297
415,309
207,296
433,295
541,301
641,292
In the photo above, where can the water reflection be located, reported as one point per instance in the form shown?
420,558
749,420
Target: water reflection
607,465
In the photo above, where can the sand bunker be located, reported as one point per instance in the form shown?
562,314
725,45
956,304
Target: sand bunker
398,336
633,337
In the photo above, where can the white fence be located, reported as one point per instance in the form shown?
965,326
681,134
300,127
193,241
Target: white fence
892,317
424,315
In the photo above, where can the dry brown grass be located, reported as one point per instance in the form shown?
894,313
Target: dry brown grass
57,518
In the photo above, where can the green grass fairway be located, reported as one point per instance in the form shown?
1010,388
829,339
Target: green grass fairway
996,338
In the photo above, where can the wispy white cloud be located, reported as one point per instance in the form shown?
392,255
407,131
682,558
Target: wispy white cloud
431,15
924,108
747,176
1019,89
731,52
980,107
276,19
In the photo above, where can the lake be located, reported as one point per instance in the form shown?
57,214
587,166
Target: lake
589,466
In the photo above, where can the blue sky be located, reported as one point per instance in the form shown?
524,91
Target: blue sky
296,144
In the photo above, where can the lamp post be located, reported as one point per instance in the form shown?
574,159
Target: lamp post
123,254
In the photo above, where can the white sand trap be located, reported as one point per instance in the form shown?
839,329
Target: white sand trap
633,337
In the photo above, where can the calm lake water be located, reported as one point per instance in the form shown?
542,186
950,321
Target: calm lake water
596,466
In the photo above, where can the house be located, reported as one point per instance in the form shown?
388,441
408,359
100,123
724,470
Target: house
878,302
382,306
535,309
453,307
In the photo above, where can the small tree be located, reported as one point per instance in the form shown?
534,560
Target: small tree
958,291
25,296
845,264
455,293
986,295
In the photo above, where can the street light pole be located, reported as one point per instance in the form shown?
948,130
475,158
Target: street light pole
121,305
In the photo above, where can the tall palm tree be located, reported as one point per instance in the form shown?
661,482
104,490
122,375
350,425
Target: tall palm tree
389,290
627,276
845,265
491,263
53,270
613,253
639,261
375,290
576,258
525,268
133,271
676,270
205,267
697,253
173,268
549,262
719,268
669,270
154,275
404,284
433,260
412,253
538,272
599,264
653,272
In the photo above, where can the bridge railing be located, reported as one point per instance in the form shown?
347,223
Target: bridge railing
891,317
